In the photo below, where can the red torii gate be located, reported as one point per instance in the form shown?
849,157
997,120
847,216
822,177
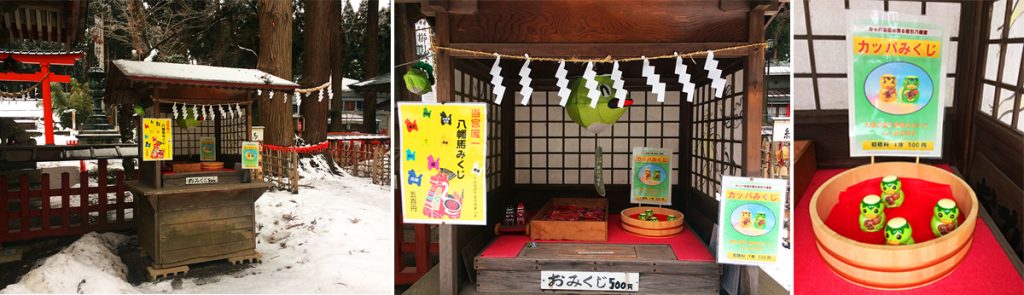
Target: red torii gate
43,76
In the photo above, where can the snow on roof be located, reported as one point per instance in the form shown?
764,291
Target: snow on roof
201,75
779,70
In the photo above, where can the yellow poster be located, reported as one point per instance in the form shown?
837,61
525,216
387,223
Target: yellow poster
156,140
443,150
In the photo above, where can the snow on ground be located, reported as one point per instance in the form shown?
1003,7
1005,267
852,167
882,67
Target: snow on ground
89,265
332,238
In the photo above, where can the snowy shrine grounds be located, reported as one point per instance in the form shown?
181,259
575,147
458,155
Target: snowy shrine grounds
334,236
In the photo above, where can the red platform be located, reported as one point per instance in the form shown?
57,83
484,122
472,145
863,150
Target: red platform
985,270
687,246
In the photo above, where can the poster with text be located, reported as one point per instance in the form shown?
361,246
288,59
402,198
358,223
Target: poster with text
207,149
896,86
156,140
651,176
443,162
250,155
750,220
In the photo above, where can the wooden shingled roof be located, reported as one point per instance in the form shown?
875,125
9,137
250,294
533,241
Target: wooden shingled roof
57,21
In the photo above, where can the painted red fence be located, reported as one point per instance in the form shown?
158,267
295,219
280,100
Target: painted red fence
38,211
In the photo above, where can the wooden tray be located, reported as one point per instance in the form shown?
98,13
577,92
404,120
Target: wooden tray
186,167
542,229
892,267
652,228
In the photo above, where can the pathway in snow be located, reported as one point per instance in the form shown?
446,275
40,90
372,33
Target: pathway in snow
332,238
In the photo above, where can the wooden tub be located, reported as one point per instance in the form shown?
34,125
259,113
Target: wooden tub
892,267
652,228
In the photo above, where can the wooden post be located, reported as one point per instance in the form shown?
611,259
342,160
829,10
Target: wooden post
120,197
44,69
968,86
753,115
83,197
65,199
44,197
294,173
5,203
754,92
101,191
23,202
448,234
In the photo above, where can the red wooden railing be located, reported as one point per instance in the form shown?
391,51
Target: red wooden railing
421,247
53,221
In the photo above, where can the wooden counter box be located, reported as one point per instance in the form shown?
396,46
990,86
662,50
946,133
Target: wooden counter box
184,225
543,229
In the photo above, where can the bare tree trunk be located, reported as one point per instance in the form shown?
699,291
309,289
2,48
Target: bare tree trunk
223,33
337,65
372,61
315,69
276,58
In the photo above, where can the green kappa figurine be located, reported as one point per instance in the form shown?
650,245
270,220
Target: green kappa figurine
892,191
872,214
898,232
759,220
944,217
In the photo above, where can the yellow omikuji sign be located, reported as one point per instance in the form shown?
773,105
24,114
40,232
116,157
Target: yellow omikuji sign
443,163
156,140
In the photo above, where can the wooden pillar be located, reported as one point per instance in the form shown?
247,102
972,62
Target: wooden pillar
448,234
968,86
44,69
753,107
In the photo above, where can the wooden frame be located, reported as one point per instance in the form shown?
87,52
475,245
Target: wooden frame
452,22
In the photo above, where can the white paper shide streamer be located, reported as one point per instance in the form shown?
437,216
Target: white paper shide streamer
174,109
711,65
238,110
195,112
684,78
563,83
654,80
524,80
591,77
496,80
321,95
619,85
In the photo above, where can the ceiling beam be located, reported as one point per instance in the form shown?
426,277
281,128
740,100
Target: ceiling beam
595,50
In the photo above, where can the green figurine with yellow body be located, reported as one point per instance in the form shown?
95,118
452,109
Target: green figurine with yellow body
892,191
944,217
898,232
872,214
759,220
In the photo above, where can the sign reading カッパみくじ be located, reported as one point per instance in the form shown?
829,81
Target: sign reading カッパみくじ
896,86
750,220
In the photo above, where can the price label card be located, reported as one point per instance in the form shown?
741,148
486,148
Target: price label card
590,281
201,180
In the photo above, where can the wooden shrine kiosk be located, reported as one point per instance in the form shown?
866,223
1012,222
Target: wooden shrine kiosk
536,153
189,210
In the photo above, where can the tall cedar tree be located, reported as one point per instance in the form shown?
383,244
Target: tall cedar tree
337,65
372,67
316,69
276,58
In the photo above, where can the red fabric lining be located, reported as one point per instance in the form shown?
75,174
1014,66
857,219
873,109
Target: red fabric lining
985,270
919,198
687,246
